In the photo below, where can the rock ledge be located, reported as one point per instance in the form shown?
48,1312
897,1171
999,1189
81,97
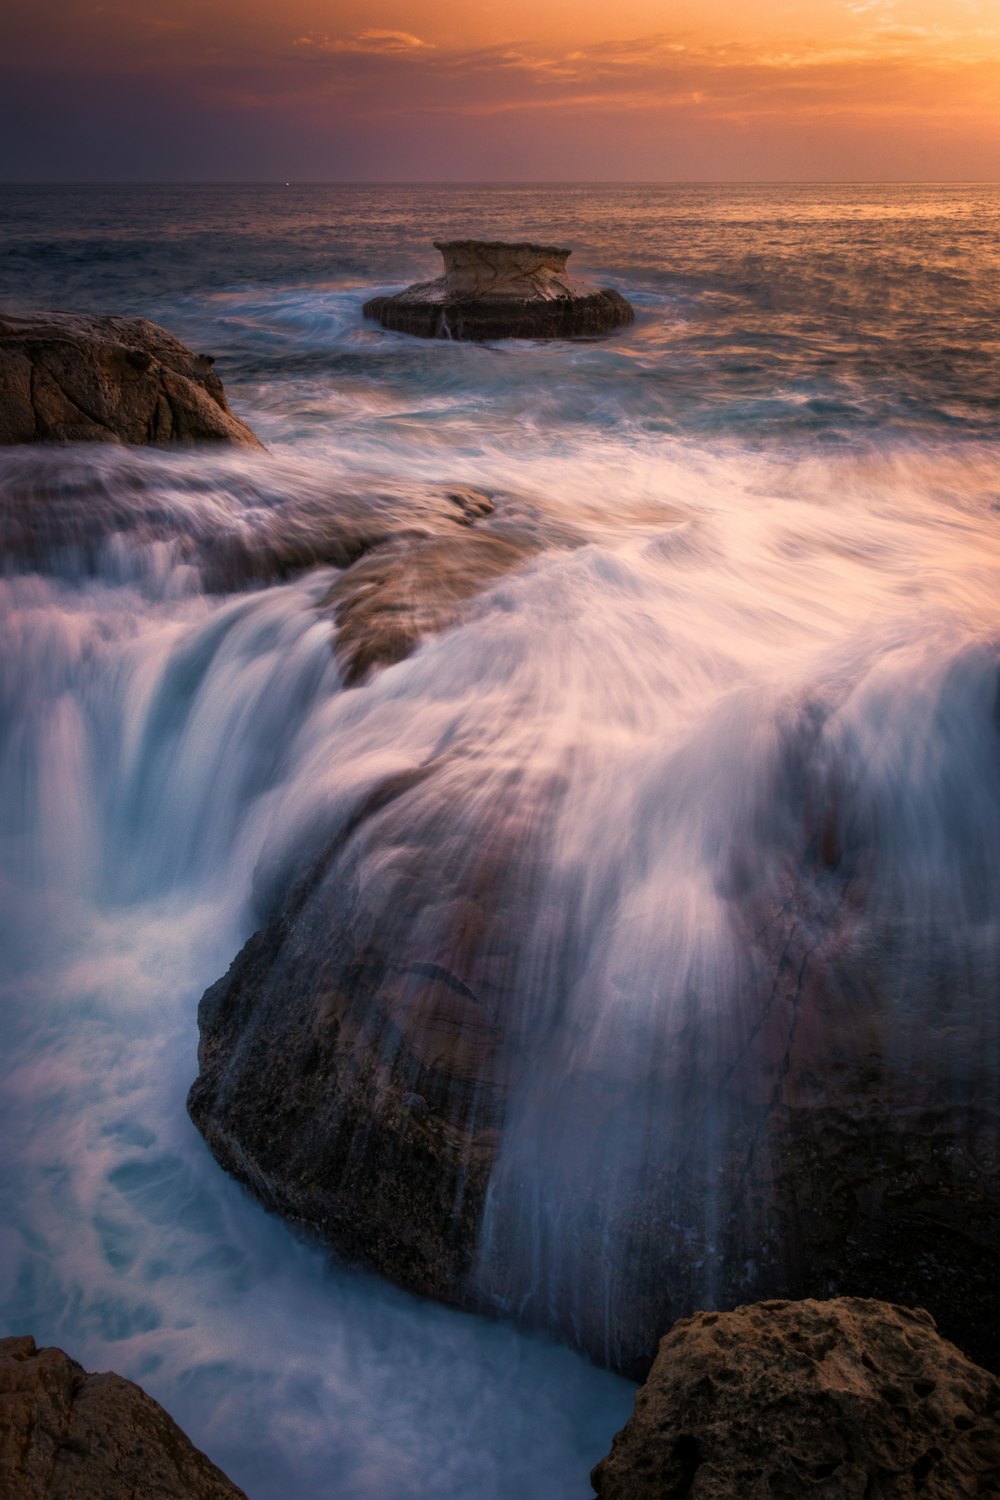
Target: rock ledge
494,290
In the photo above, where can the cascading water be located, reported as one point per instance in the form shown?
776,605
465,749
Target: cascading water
737,709
155,741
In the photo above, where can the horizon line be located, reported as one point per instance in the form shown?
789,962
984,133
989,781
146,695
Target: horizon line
505,182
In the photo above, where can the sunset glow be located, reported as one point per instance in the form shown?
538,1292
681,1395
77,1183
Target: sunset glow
825,89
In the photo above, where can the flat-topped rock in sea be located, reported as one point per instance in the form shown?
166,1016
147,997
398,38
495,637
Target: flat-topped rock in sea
73,378
494,290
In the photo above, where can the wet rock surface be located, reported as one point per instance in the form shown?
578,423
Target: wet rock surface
67,1435
404,591
412,557
842,1400
70,378
409,1040
350,1073
493,290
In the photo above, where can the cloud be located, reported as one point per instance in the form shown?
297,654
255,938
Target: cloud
877,73
375,40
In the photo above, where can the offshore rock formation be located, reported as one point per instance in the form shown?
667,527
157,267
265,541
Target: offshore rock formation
67,1435
408,1060
492,290
69,378
841,1400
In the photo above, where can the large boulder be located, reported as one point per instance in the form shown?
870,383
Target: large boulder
67,1435
356,1061
493,290
70,378
839,1400
448,1053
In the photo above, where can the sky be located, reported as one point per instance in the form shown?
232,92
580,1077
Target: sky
527,90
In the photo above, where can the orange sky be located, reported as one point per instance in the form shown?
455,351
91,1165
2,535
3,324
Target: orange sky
433,89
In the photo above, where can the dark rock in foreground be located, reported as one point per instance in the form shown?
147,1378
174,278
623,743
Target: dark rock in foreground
68,378
404,1045
492,290
67,1435
350,1074
841,1400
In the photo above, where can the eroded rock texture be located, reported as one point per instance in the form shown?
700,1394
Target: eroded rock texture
376,1043
67,1435
69,378
492,290
840,1400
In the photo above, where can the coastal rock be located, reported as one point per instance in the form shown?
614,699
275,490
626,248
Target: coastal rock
410,1060
355,1062
412,557
493,290
70,378
402,592
67,1435
842,1400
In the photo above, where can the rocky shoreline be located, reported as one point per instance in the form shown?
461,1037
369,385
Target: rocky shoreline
848,1399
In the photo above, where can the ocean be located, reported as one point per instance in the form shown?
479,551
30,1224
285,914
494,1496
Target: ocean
783,490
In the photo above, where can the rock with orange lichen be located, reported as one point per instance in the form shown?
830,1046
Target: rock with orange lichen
841,1400
67,1435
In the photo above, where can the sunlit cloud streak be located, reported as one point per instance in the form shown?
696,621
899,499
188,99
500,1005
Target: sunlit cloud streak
396,43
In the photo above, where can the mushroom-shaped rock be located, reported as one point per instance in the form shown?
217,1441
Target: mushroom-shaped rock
493,290
71,378
842,1400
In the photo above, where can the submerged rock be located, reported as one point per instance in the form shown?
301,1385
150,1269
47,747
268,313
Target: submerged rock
412,557
492,290
405,590
67,1435
70,378
841,1400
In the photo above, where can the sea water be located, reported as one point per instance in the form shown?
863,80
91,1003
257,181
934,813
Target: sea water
782,487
